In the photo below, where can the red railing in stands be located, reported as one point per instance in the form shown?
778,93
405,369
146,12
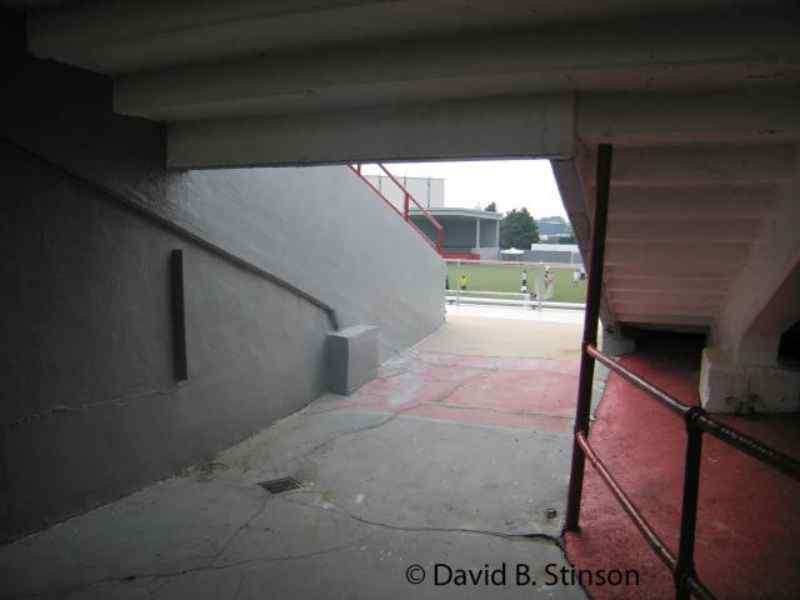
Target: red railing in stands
438,245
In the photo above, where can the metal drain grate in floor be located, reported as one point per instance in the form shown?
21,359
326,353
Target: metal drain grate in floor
278,486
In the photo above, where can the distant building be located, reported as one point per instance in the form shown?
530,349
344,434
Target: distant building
553,228
468,233
428,191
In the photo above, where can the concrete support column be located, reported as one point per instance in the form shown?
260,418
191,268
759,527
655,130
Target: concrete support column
477,233
741,371
730,386
614,342
497,235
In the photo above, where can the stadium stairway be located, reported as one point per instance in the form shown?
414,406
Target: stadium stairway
701,236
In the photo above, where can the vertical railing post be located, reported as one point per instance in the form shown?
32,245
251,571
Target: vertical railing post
691,490
590,324
405,206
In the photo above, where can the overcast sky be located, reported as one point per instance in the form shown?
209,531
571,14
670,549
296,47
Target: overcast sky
509,183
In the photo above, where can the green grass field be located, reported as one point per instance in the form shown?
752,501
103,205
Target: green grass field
496,278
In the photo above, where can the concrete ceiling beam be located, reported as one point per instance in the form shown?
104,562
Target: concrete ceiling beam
683,229
496,128
679,295
703,163
666,320
749,115
665,308
635,252
129,35
699,260
670,270
662,284
639,57
701,203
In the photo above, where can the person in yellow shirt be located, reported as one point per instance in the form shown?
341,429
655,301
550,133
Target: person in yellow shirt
463,281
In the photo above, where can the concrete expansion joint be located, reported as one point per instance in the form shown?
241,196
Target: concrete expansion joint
449,394
516,537
325,411
211,566
358,430
497,369
180,573
393,374
441,402
518,413
557,541
226,544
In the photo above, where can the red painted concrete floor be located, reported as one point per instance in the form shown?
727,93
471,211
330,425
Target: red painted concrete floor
748,535
521,393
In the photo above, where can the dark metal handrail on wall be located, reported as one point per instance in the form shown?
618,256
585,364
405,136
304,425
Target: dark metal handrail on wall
183,231
696,419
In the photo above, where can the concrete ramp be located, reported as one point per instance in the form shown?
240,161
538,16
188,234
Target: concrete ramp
451,457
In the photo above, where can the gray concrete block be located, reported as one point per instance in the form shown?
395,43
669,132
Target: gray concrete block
352,358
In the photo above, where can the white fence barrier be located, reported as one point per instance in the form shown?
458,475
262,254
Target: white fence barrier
536,289
458,297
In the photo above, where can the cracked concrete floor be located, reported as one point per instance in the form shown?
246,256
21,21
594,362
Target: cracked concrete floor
448,458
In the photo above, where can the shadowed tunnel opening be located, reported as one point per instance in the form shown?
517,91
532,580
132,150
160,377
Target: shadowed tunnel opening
789,347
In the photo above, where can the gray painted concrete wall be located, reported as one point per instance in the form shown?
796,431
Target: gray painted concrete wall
323,229
311,225
90,410
424,225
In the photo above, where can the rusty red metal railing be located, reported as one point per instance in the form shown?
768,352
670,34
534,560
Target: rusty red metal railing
408,199
696,420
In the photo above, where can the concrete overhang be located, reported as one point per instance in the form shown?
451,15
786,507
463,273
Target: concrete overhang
307,82
501,127
134,36
459,212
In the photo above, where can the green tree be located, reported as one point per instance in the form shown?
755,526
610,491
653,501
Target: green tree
491,207
518,230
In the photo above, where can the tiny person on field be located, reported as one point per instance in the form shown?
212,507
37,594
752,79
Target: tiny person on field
549,283
463,281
